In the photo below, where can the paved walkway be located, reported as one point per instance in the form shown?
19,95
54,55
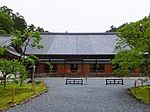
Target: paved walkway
94,97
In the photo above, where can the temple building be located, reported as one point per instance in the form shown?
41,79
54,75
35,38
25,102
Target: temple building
75,54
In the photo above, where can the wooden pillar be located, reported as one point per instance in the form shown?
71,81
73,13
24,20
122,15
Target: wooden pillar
96,67
37,71
82,67
65,67
50,70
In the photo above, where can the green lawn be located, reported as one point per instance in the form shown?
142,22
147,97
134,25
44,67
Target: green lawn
141,93
22,92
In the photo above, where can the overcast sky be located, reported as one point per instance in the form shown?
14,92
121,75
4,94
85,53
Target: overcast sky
79,15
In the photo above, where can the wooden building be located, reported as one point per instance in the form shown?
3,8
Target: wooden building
75,54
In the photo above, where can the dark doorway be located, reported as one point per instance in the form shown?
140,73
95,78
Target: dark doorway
73,68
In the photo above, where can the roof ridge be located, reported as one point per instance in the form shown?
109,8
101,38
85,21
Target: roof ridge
78,33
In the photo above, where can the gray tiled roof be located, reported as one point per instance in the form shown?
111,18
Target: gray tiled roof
5,41
76,43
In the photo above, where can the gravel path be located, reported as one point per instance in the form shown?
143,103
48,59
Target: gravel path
94,97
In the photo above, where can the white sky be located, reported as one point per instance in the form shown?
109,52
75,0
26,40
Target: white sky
79,15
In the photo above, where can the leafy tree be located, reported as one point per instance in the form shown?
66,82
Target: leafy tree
31,27
2,32
18,20
39,29
28,39
6,10
29,63
22,37
19,40
2,50
127,62
49,65
114,29
19,23
135,35
12,67
6,23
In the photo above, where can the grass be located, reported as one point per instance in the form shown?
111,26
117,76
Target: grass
141,93
21,93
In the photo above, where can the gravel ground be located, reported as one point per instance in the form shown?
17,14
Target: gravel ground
94,97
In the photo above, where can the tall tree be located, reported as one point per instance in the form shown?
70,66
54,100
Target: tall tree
136,35
19,23
12,67
6,10
18,20
31,27
6,23
39,29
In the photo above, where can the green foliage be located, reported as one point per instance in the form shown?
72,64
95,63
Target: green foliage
18,39
121,72
141,93
19,23
2,31
13,68
6,10
49,65
31,27
114,29
22,93
126,61
22,37
128,58
10,20
135,37
137,33
30,60
39,29
2,50
29,38
18,20
6,23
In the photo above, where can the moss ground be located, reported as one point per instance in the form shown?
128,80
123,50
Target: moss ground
141,93
21,93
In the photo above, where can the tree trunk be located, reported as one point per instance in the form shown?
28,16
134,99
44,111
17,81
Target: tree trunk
4,82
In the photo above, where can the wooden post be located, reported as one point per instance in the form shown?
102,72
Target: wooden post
13,95
141,82
135,83
65,67
33,86
82,71
33,80
149,94
50,69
